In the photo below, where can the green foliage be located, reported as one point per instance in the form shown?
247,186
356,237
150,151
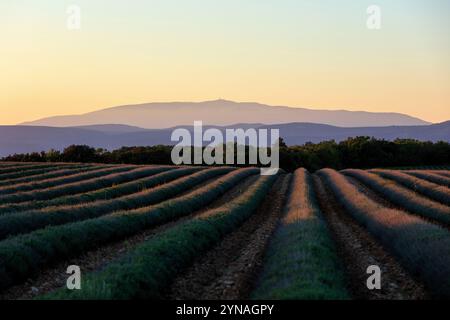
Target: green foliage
428,189
52,188
23,256
422,247
358,152
113,192
26,221
403,197
76,153
149,269
301,261
21,171
47,173
23,176
432,177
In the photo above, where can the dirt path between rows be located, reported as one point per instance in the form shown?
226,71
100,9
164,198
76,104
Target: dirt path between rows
230,269
55,277
358,250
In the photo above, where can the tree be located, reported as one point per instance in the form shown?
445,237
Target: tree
82,153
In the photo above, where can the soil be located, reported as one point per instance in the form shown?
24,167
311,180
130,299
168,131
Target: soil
358,250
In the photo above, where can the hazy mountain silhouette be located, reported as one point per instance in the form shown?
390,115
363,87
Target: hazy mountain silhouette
21,139
223,113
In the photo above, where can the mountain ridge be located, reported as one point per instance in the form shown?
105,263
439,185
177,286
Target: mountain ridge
26,139
222,113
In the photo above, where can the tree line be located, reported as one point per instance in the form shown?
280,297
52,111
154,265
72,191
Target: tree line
359,152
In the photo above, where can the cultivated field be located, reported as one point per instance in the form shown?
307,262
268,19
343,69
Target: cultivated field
167,232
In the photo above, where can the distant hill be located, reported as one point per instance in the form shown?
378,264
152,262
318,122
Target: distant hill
22,139
223,113
112,128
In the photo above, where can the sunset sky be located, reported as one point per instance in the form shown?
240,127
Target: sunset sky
316,53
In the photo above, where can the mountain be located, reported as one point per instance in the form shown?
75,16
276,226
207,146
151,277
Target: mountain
223,113
112,128
23,139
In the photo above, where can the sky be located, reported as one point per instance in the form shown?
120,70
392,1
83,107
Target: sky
318,54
